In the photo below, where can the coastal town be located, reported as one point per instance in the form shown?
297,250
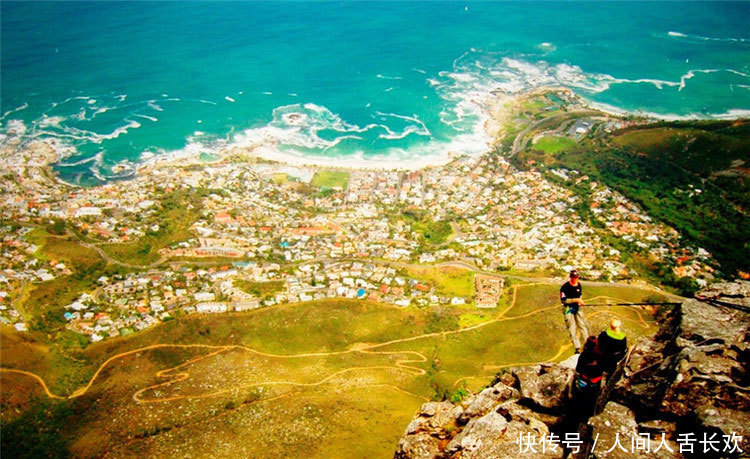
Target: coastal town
239,233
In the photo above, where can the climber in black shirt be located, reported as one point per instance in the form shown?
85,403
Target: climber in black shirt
570,296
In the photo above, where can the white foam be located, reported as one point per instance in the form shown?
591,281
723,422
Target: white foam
15,127
547,47
80,134
420,127
97,111
50,121
96,158
704,38
390,135
24,106
728,115
155,106
386,77
151,118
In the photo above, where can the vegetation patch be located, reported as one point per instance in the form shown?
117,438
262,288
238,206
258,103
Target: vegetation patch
330,179
680,173
432,232
554,144
349,394
177,212
280,178
42,431
259,289
448,280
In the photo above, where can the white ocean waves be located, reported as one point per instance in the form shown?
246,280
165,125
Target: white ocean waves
155,106
700,38
150,118
50,121
478,71
418,127
23,106
96,158
387,77
78,134
308,126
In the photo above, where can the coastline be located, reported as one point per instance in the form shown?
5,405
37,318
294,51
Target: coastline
494,115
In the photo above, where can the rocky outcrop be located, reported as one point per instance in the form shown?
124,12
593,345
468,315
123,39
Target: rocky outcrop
522,401
694,374
688,384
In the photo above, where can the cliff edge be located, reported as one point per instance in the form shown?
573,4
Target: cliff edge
683,393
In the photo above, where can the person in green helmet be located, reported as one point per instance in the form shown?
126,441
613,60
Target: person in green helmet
613,344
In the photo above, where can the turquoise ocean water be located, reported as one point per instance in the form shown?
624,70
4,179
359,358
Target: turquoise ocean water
118,82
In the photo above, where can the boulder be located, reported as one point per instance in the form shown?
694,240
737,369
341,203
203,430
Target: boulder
724,421
479,433
417,446
702,322
428,431
434,417
545,386
616,436
737,292
486,400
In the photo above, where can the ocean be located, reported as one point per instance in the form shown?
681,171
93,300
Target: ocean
345,83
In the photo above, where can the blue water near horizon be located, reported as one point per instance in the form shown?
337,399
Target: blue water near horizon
115,82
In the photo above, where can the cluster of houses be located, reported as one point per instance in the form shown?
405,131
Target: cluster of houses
127,303
333,244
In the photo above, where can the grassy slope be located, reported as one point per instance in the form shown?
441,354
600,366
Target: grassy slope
43,303
554,144
330,179
359,411
174,220
433,232
647,164
259,289
447,281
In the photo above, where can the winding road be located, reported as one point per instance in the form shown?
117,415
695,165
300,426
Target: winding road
406,363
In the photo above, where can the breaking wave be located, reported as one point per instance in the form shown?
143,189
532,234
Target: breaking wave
313,133
700,38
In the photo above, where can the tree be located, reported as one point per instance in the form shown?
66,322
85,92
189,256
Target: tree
57,227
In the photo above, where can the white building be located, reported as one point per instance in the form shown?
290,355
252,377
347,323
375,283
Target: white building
211,307
88,212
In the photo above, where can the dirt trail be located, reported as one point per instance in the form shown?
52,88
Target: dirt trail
404,364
